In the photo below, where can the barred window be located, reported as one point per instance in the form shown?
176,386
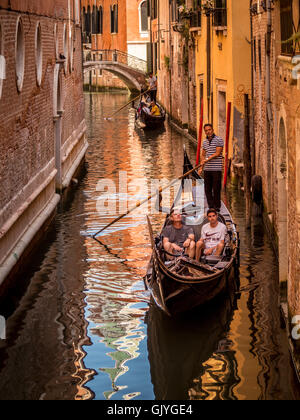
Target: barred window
100,20
287,30
220,15
114,19
144,16
94,20
196,15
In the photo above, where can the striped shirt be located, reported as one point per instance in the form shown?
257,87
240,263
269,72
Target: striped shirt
210,148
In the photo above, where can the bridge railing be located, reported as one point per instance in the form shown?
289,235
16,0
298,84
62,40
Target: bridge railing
116,56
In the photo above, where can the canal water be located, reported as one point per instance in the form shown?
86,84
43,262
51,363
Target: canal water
79,322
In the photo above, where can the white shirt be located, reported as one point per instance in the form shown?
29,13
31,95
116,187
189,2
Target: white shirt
213,236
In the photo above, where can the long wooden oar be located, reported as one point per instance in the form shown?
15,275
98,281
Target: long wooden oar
140,203
124,106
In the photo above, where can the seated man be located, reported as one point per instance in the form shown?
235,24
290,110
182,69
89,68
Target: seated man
155,112
146,109
178,237
212,236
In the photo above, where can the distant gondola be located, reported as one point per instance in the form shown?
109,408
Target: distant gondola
182,284
148,121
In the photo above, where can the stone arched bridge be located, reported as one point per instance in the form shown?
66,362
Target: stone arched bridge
130,69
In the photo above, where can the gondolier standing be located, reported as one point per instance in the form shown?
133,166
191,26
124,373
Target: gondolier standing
212,162
153,87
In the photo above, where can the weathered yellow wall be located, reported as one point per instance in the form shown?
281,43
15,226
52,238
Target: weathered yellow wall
230,70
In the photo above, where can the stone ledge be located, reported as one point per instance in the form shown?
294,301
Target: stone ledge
182,131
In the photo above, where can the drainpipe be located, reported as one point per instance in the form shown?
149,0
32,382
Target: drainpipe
253,148
268,63
268,100
208,56
171,61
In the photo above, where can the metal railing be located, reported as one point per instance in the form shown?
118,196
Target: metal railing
116,56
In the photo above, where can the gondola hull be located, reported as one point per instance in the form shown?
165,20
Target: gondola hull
175,298
197,283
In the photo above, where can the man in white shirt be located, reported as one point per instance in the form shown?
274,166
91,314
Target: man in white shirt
213,235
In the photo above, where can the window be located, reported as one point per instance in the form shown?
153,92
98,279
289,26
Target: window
2,61
259,57
174,11
286,21
20,55
220,15
154,13
71,44
87,23
56,41
114,19
65,44
100,20
196,15
77,11
144,16
94,20
254,55
38,54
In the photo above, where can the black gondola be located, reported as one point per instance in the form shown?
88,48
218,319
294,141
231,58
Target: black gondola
181,284
146,120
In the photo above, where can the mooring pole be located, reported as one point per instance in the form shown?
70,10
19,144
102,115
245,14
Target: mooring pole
247,161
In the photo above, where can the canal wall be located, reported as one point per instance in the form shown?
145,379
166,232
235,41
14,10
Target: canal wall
42,125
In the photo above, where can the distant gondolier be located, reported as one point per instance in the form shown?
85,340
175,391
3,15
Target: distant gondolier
212,162
153,86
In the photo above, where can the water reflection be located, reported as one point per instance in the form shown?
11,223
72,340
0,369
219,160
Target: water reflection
78,329
191,358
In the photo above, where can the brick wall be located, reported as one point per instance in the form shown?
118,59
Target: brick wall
27,127
279,171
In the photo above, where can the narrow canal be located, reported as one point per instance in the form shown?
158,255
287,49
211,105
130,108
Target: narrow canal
79,324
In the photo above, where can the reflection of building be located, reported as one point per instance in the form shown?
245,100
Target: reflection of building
42,126
114,25
277,130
